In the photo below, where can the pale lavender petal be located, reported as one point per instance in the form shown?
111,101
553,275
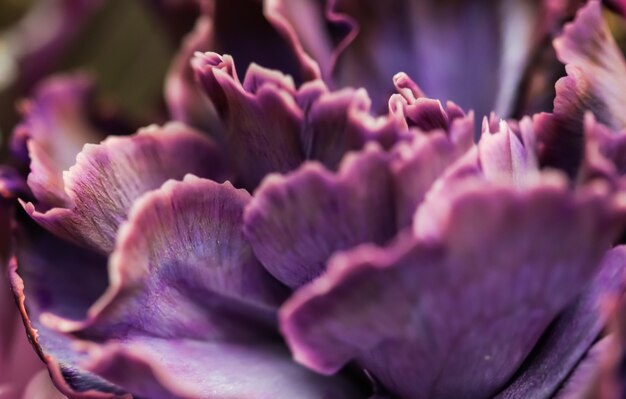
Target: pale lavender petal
296,222
106,178
420,341
595,67
261,117
571,335
179,368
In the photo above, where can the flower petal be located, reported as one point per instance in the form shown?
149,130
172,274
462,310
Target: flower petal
183,247
296,222
595,67
261,117
571,335
420,341
106,178
179,368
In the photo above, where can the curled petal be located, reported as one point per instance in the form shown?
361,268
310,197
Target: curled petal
261,117
596,70
108,177
287,222
420,341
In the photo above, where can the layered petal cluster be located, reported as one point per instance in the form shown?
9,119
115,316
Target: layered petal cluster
333,224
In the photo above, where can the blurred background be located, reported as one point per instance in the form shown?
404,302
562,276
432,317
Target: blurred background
126,45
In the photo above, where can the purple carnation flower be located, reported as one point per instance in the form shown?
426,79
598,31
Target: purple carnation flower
335,224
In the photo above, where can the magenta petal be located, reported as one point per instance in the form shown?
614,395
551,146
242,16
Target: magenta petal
596,70
179,368
572,334
287,222
108,177
420,341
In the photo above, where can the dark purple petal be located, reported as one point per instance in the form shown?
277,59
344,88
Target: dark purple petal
178,368
261,117
337,122
106,178
51,275
296,222
420,341
473,53
571,335
420,163
580,384
184,98
596,70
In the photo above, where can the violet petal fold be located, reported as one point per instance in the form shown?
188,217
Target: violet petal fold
178,368
106,178
582,383
287,222
420,162
260,115
571,335
595,67
51,275
204,288
417,339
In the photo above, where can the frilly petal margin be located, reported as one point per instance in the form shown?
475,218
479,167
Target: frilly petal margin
107,177
272,127
419,341
287,222
191,322
209,281
571,335
596,70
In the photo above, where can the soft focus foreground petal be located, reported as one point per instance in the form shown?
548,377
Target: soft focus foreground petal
430,41
54,130
580,384
596,70
51,275
571,335
177,368
108,177
18,362
40,387
261,117
296,222
183,248
500,252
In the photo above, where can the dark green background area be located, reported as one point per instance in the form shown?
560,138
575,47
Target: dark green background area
124,46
